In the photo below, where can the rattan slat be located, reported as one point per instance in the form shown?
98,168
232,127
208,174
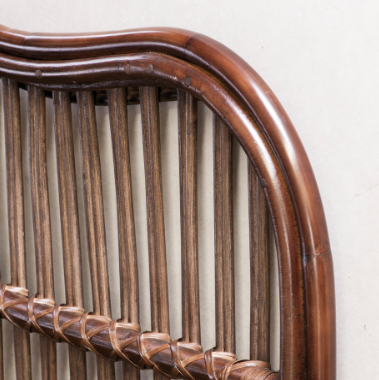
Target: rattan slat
117,100
225,305
187,117
94,212
15,200
260,270
41,218
68,203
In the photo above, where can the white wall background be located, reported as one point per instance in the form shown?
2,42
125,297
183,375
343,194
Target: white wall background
321,58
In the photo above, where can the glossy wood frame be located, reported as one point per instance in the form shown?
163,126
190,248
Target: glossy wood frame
234,91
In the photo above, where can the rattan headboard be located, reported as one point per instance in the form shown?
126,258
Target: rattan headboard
147,66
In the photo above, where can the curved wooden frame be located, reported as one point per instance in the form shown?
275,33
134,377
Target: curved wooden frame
233,90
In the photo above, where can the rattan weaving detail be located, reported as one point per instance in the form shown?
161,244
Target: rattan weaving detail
253,369
59,329
180,366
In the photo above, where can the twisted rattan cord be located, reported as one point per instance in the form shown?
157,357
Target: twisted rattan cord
210,354
146,356
180,366
253,367
5,305
119,346
256,370
34,317
256,373
59,329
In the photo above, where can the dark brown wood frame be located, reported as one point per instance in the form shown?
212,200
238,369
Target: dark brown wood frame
212,73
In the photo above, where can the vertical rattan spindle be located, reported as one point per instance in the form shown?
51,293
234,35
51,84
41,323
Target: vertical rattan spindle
68,203
41,218
187,118
155,219
260,270
15,200
224,258
126,230
94,212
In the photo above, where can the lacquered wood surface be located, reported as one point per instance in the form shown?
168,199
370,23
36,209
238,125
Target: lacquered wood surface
217,97
249,134
243,101
205,52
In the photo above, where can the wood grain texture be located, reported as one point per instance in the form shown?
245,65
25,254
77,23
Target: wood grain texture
41,218
259,270
254,141
93,199
155,218
15,204
160,321
40,194
223,231
259,149
187,118
13,148
126,228
117,100
221,62
22,353
68,203
94,216
77,362
234,91
48,358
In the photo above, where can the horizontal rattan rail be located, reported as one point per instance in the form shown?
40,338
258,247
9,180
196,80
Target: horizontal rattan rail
194,67
116,340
